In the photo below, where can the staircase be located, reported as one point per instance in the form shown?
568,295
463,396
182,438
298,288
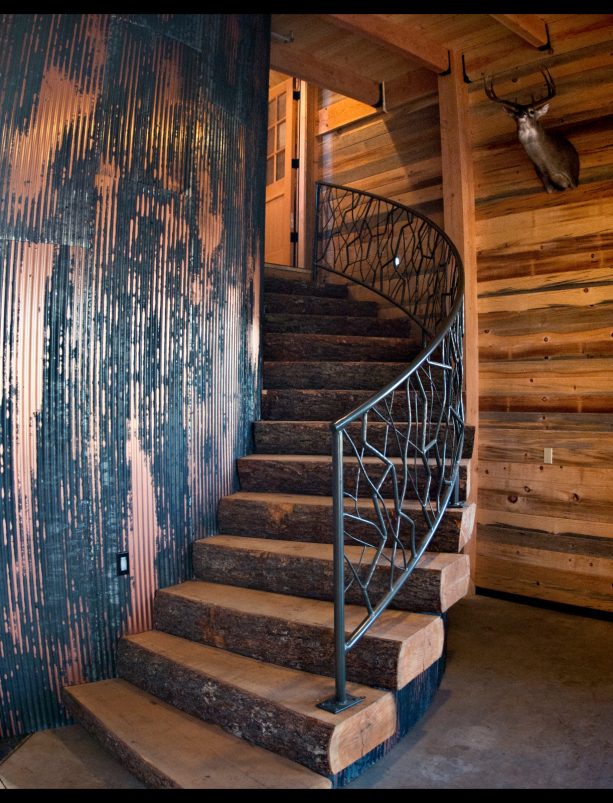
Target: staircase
224,692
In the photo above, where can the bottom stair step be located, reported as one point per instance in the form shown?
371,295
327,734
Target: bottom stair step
272,706
298,632
169,749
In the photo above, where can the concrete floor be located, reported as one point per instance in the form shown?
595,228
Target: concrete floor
526,702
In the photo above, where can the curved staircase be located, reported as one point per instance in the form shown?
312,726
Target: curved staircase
225,691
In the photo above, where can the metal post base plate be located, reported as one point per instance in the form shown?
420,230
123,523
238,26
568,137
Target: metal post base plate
335,707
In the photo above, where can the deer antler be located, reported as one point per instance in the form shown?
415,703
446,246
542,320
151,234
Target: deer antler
536,104
551,89
489,91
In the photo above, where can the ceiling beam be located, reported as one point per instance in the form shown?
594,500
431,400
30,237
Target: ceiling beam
529,27
294,61
405,40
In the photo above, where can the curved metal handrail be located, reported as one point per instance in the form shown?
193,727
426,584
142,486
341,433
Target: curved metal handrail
407,439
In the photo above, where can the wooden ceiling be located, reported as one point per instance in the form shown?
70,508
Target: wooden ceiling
355,53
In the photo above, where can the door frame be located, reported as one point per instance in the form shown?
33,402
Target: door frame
303,204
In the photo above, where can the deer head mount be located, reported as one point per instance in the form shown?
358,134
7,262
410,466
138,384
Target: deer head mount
555,159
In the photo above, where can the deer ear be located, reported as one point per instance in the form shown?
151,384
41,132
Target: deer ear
540,112
509,110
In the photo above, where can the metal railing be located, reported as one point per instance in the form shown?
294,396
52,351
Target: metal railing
396,456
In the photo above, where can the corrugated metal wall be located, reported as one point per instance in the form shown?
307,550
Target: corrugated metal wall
131,213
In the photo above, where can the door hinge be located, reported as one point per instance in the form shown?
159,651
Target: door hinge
295,164
296,94
293,236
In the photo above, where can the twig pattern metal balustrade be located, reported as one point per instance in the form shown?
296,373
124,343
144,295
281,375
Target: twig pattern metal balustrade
392,482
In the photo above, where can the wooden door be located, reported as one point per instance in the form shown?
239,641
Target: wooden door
280,182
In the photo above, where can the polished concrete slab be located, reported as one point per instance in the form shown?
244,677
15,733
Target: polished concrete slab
526,702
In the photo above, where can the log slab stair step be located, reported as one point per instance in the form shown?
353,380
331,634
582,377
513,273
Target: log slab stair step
223,692
169,749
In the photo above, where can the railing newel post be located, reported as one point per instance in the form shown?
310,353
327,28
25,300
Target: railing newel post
342,699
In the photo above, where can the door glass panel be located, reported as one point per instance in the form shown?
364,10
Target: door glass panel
281,135
271,112
281,106
270,147
270,170
280,165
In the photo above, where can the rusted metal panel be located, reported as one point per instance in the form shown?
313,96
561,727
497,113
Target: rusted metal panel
131,217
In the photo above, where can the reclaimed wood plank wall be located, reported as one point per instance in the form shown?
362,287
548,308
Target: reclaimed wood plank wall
131,220
396,155
545,288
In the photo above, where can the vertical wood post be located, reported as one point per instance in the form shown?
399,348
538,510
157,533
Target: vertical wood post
306,174
459,224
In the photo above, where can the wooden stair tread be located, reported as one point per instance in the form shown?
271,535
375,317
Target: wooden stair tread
314,437
429,561
166,747
298,631
304,304
331,374
317,404
336,324
316,347
335,339
392,625
313,474
287,687
304,517
271,705
324,459
315,501
298,286
342,394
275,271
306,569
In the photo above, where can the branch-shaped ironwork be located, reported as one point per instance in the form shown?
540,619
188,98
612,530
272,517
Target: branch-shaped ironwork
395,457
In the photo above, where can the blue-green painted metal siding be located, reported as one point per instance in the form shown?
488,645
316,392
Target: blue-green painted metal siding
131,214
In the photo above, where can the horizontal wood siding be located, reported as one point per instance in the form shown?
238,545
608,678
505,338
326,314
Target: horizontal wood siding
395,154
545,286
